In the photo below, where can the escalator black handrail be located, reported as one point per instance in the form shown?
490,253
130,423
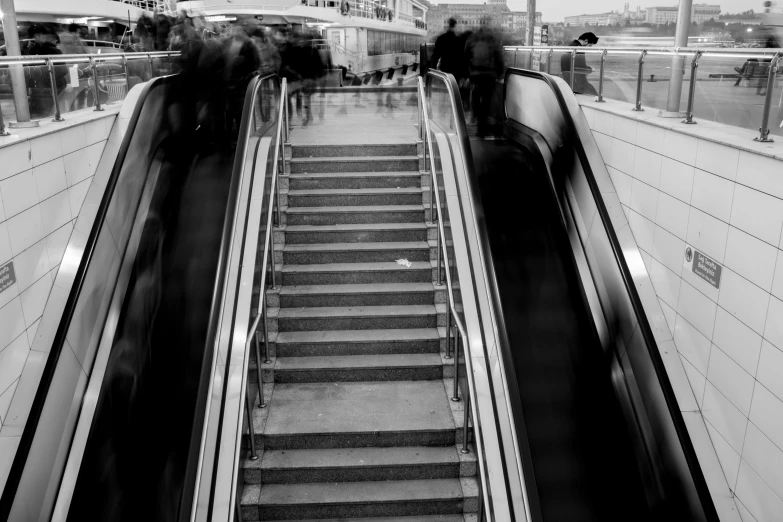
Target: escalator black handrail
44,385
221,274
526,478
644,326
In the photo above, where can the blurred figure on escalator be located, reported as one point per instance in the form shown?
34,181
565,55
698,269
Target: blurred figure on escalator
485,63
581,69
241,63
449,55
71,40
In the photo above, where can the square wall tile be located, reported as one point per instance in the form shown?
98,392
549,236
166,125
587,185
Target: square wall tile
5,400
777,283
2,209
724,417
643,230
650,137
34,299
46,148
764,458
707,234
12,319
766,412
758,214
603,122
756,496
666,283
31,265
690,277
717,159
16,158
73,138
57,241
95,131
773,329
731,380
761,173
622,156
696,380
19,193
5,244
743,300
644,199
76,195
673,215
604,143
771,369
728,458
670,314
647,167
712,194
697,309
677,179
668,249
622,185
751,258
25,229
744,513
738,341
55,212
625,129
693,345
12,360
680,147
50,178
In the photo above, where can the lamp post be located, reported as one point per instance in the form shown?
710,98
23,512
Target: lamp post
678,61
18,85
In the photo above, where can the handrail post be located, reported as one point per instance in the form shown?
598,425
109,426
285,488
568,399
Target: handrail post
515,57
638,106
549,60
692,89
281,168
571,72
764,130
266,329
448,329
152,68
600,97
272,257
438,239
259,371
455,396
127,74
3,132
466,428
94,68
52,80
250,428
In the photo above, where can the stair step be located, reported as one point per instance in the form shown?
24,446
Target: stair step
428,518
355,214
360,499
356,318
353,465
330,151
320,253
358,342
356,233
331,180
358,414
354,197
355,164
357,273
356,295
356,368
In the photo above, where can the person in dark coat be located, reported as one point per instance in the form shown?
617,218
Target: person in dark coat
449,52
485,62
581,69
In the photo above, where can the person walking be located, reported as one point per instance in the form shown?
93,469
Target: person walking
448,54
581,69
485,62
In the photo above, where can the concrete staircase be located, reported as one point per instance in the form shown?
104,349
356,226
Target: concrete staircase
359,423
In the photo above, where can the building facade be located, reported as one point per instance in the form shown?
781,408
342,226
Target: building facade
593,19
494,14
700,13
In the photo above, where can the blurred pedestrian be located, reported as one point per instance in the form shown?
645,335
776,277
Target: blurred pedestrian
449,55
162,30
241,63
71,40
485,62
581,69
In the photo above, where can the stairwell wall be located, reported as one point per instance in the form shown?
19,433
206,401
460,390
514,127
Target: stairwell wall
697,187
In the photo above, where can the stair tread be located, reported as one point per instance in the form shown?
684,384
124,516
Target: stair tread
332,362
360,492
341,408
359,336
358,192
357,267
356,226
355,457
339,247
356,209
358,174
337,159
376,288
425,518
357,311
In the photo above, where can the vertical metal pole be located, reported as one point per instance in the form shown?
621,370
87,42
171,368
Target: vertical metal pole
530,22
127,74
266,331
95,85
678,61
277,186
152,69
284,91
272,258
638,106
466,426
18,84
515,57
3,132
571,72
600,97
438,279
692,89
250,428
764,130
549,61
455,396
259,372
448,328
52,80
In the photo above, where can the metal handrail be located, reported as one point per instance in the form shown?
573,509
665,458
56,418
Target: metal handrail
773,56
281,137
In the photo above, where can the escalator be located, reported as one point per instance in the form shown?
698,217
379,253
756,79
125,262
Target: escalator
597,429
151,313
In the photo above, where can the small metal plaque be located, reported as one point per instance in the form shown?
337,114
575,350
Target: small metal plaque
705,268
7,276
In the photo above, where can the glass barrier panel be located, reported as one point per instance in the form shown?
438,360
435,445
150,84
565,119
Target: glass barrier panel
620,72
656,80
555,62
776,107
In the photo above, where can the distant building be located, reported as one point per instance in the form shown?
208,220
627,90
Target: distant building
611,18
494,14
637,16
700,13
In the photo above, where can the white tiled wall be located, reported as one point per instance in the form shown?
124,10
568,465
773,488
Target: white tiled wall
43,183
680,191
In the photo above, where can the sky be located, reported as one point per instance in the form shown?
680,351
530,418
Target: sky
557,10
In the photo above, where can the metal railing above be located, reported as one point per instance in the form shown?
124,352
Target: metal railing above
715,84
